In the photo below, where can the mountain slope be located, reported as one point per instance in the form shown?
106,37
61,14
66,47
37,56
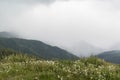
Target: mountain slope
8,35
111,56
34,47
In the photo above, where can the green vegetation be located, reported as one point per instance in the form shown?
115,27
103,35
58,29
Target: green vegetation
15,66
36,48
111,56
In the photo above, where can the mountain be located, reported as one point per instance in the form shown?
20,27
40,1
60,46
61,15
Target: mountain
84,49
37,48
111,56
8,35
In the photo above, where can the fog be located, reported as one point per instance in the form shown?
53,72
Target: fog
63,22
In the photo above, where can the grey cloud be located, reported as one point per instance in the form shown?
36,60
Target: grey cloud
63,23
29,1
9,9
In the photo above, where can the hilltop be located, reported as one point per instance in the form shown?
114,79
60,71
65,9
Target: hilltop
5,34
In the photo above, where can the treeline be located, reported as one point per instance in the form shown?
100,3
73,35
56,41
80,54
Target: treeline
6,52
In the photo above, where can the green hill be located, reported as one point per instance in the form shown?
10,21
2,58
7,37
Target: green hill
36,48
19,66
111,56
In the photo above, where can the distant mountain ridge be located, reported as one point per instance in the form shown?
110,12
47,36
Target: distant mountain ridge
37,48
111,56
5,34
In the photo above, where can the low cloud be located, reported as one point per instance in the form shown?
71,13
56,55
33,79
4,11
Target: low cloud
63,23
29,1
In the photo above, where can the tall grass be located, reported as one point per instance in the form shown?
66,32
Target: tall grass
24,67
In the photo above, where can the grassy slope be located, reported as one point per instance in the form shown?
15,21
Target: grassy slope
24,67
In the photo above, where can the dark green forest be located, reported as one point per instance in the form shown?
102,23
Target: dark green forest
36,48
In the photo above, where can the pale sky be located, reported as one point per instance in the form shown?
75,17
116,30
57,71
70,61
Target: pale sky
63,22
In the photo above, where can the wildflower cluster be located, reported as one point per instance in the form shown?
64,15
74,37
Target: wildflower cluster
26,68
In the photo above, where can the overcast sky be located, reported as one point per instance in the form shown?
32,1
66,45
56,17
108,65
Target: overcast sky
63,22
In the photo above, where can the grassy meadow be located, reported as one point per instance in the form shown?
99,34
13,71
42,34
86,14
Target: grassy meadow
24,67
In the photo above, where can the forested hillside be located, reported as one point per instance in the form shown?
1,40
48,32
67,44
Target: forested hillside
111,56
36,48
